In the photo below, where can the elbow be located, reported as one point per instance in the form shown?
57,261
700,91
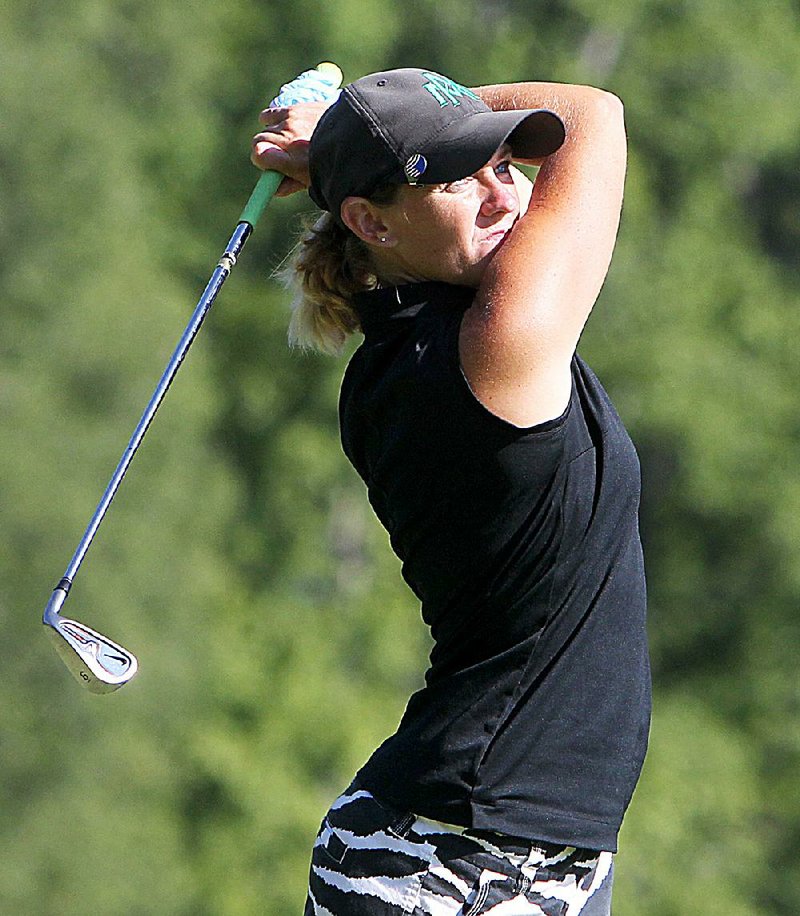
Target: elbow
605,115
595,111
607,104
616,117
616,109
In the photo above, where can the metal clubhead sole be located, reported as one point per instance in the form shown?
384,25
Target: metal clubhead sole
95,661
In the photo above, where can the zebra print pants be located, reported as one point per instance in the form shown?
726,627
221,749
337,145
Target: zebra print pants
371,860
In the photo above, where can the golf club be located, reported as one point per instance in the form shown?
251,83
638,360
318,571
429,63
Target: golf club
98,663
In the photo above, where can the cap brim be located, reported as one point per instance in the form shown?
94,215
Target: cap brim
467,145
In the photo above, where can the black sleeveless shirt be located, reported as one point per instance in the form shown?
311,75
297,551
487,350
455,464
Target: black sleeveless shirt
523,548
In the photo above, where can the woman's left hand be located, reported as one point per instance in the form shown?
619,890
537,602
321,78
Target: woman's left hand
283,144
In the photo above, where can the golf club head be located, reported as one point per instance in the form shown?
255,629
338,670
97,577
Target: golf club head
98,663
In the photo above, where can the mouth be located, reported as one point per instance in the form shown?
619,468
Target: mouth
496,237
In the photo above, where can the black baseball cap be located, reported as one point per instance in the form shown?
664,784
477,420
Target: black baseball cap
413,126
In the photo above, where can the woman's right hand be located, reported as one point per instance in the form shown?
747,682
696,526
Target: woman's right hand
283,144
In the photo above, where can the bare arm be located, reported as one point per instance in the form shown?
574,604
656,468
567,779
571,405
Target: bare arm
518,338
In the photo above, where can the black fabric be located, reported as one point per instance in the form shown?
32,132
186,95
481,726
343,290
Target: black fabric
523,547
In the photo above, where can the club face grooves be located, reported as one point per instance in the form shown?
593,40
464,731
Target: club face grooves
95,661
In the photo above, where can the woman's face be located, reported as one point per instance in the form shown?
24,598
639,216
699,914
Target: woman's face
451,231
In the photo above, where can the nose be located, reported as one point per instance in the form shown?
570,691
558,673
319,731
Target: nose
499,197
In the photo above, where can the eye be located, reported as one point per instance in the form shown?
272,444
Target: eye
503,168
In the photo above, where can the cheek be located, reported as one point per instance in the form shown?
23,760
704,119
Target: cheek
442,232
458,227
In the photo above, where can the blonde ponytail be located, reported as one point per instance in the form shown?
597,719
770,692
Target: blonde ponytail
324,271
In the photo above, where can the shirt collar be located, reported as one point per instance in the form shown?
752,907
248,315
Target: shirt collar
379,309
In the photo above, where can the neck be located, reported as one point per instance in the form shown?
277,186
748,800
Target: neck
391,271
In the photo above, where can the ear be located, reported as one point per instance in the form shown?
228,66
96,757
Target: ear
365,220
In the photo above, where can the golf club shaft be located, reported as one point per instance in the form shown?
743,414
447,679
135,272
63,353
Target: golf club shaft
98,663
320,84
221,273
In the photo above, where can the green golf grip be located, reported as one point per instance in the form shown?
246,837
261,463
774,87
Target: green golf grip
265,188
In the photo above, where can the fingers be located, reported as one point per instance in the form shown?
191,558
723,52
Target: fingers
282,144
270,117
266,154
273,151
289,186
302,117
290,157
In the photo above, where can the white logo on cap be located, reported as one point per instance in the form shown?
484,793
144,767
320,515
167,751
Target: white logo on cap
415,167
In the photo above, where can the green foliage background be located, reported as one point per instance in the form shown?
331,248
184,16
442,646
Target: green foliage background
240,560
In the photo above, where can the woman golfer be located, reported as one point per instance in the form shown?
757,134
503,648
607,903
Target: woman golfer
502,473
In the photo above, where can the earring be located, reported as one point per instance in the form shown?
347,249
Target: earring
383,240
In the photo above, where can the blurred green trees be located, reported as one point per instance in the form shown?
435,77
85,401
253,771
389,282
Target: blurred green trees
240,560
